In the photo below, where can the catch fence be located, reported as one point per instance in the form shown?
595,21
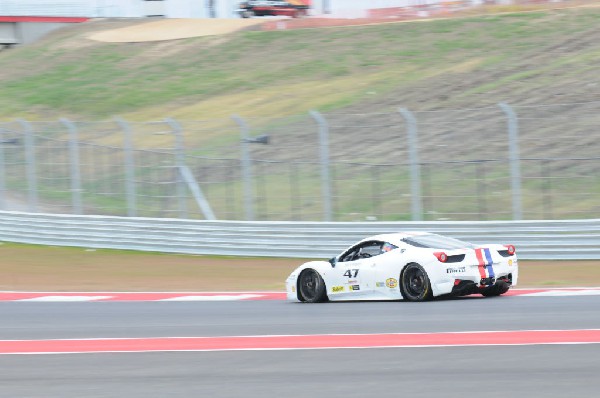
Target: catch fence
494,163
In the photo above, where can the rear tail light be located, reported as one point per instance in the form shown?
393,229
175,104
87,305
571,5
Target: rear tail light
511,249
441,256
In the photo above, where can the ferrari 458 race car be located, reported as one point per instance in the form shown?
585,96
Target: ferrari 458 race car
413,266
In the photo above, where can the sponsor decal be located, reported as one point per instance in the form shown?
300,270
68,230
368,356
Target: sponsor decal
337,289
355,287
293,289
352,282
510,262
456,270
379,284
391,283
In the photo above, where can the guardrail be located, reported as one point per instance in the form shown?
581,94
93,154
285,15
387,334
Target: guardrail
535,240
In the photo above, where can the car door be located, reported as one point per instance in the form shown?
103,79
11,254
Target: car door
385,274
354,268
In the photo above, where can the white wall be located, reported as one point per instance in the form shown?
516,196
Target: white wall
116,8
176,8
198,8
8,33
44,7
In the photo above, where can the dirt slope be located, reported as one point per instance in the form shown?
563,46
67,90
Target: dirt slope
173,29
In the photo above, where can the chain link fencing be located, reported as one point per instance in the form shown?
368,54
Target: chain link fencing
494,163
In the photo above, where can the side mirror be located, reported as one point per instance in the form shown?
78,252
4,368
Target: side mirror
332,261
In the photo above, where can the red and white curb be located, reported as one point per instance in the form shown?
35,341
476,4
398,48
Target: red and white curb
301,342
570,291
235,296
138,296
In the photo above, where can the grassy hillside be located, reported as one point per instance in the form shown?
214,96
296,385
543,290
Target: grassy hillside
521,57
359,75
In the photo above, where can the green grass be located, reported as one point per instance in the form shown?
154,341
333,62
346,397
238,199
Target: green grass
359,191
106,79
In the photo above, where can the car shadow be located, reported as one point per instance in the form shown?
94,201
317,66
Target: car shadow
435,299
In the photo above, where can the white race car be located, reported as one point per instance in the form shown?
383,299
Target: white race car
414,266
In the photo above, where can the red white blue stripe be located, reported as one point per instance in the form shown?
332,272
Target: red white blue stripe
484,257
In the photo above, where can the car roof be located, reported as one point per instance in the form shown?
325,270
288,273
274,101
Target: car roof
395,238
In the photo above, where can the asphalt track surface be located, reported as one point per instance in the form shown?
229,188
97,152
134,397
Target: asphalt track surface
490,371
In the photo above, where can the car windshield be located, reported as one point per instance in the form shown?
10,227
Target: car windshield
434,241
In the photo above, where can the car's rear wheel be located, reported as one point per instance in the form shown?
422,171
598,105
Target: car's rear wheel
415,284
311,287
500,287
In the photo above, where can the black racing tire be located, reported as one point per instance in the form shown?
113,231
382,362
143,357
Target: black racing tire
311,287
415,284
500,287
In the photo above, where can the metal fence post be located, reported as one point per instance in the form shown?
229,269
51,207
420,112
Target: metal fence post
514,160
246,168
481,190
2,173
32,193
546,190
324,159
180,162
129,167
74,166
186,178
415,166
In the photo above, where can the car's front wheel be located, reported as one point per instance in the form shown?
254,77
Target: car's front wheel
311,287
415,284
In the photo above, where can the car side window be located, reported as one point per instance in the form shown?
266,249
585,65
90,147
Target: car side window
364,250
350,255
371,250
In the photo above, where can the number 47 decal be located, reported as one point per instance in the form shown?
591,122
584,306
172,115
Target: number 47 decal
351,273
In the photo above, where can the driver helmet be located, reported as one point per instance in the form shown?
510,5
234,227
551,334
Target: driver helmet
387,247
